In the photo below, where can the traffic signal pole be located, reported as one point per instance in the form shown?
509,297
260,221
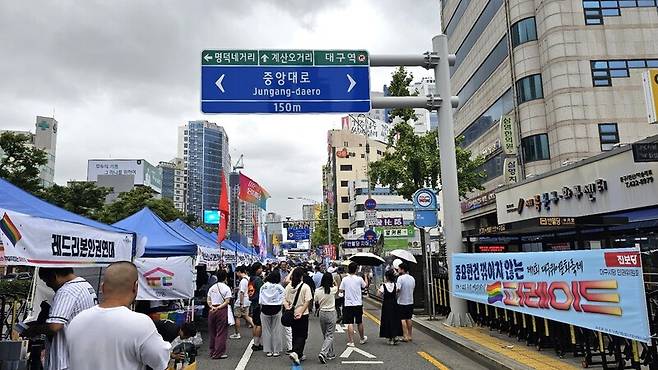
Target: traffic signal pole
443,102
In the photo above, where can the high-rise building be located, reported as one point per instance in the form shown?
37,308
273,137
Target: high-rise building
203,146
44,138
174,182
564,77
348,158
274,232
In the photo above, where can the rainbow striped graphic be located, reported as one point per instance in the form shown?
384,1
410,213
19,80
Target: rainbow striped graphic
495,292
10,230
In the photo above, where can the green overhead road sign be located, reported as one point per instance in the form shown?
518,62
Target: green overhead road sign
284,57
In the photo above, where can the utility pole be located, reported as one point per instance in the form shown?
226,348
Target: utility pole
443,103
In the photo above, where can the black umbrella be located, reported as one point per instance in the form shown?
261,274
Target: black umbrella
367,259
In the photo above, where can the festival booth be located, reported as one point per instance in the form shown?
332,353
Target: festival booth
167,267
38,234
236,252
209,252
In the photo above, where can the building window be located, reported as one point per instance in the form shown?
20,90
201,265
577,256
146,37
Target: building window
609,135
185,145
492,168
523,31
345,230
379,152
456,17
346,144
529,88
344,199
475,32
346,167
482,124
603,71
484,71
594,11
535,148
344,183
363,155
345,216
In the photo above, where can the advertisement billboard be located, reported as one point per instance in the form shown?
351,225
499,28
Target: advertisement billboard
144,173
599,289
211,216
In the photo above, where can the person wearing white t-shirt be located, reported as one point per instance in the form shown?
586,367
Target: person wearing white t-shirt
242,302
219,297
352,287
110,336
405,286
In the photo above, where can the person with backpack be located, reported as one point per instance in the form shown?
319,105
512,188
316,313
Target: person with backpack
298,298
253,290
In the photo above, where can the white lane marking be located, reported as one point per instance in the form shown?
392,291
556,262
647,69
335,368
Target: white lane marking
349,350
242,365
362,362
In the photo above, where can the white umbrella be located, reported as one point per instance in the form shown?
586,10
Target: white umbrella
367,259
404,254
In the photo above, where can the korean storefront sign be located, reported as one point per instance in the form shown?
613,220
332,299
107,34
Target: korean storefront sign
611,184
508,134
601,289
511,170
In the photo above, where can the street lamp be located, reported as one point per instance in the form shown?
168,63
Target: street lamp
328,217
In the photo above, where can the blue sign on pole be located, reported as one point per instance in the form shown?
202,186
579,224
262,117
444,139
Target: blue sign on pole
370,204
370,236
425,199
299,233
429,218
285,81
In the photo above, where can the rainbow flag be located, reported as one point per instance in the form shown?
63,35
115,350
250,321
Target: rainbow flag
495,292
10,230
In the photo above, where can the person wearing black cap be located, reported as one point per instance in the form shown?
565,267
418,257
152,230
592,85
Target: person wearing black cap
255,283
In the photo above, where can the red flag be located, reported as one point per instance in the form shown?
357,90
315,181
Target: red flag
223,210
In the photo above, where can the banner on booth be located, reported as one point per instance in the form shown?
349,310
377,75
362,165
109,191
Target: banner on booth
209,257
165,278
601,289
35,241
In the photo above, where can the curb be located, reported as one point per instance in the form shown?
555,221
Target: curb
484,356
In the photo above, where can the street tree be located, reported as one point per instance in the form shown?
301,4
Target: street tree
81,197
132,201
412,161
320,235
20,161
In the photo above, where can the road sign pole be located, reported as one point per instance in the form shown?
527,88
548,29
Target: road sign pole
459,315
440,60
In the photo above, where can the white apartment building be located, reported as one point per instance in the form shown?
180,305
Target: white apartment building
565,75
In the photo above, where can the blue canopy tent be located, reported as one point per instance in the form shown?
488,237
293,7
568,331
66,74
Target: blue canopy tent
241,248
213,237
190,234
37,233
161,240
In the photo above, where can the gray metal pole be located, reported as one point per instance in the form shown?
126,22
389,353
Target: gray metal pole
449,191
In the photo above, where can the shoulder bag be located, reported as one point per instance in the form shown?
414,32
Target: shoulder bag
288,316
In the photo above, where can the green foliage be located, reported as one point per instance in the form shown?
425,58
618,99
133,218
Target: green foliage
15,288
131,202
319,236
20,161
401,79
81,197
411,161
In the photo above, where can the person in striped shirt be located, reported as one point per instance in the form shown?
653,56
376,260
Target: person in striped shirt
73,295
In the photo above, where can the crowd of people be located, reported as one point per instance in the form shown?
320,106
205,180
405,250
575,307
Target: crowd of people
276,301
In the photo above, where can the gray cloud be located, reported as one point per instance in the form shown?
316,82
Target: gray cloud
122,75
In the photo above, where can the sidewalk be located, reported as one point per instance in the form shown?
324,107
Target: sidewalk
495,349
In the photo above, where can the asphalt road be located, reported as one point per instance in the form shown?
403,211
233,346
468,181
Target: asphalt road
423,353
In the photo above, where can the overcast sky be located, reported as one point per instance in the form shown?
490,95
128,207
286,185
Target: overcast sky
121,75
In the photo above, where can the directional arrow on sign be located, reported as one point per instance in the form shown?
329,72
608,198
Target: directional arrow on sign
219,83
264,58
349,350
352,83
207,57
